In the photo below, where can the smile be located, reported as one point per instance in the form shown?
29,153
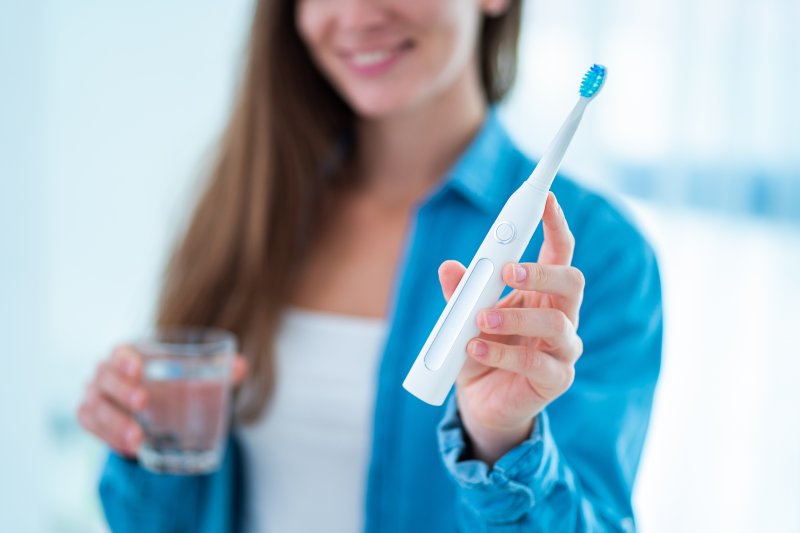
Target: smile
375,61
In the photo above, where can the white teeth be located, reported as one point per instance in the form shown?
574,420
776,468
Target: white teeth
366,59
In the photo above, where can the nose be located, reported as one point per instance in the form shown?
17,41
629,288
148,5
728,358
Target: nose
361,14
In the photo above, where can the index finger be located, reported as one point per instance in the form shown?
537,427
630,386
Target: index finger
564,283
559,243
127,361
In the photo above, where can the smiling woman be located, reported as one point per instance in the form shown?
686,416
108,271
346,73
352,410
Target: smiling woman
364,152
396,58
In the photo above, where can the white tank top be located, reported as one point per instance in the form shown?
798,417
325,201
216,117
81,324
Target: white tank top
307,457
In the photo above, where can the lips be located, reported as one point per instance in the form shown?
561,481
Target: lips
375,60
366,59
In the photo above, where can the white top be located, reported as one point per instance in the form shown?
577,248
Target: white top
306,458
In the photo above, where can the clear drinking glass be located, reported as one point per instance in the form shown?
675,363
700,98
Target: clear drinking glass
187,375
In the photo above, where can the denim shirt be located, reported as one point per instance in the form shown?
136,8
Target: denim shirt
575,470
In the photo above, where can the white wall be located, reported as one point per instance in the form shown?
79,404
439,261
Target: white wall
723,452
107,112
22,447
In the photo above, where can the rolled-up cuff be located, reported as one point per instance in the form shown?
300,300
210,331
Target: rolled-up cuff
517,480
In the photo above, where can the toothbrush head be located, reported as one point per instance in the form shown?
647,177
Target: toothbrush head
593,81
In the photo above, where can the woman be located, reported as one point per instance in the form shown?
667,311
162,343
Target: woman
362,155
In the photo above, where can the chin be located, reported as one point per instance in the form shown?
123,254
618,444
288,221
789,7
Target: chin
378,104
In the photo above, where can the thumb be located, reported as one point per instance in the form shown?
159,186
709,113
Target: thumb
450,274
239,370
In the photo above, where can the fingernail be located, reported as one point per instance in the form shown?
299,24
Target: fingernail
131,436
491,319
130,367
477,347
520,273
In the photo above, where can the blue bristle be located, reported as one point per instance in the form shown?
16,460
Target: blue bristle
593,80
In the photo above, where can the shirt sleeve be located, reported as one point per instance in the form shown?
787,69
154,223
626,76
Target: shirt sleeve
575,470
135,499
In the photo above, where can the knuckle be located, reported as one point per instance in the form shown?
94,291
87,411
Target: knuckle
566,327
565,324
568,377
498,353
531,360
558,323
101,413
577,278
538,274
108,416
514,321
567,234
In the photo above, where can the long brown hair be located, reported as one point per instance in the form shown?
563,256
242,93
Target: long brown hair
284,150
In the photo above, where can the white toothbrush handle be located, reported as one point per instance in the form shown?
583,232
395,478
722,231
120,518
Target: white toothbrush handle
443,354
546,169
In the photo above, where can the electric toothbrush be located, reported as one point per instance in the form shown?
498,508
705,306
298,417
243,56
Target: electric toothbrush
435,370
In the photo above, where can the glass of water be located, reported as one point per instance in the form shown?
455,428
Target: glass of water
187,376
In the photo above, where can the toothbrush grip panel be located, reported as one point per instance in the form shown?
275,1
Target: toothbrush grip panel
458,316
440,360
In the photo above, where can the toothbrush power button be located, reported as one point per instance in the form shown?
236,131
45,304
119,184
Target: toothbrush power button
505,232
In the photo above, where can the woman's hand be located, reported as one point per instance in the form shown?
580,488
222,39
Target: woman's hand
525,355
116,393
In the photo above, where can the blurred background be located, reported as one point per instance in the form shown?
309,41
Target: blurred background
108,113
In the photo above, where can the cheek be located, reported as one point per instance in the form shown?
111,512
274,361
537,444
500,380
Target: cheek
451,35
311,18
315,22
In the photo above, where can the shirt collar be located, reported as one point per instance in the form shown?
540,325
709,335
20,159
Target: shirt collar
489,169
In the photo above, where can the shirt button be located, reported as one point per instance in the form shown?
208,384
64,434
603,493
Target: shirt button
504,232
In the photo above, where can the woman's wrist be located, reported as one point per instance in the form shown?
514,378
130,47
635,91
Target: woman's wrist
489,445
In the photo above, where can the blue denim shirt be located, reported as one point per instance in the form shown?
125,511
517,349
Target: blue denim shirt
576,469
